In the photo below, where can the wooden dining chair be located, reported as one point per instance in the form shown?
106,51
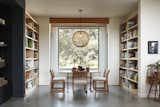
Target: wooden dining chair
57,81
79,78
154,81
101,81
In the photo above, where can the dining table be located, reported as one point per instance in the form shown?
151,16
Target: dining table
69,74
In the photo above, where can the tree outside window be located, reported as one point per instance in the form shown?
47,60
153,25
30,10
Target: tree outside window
71,56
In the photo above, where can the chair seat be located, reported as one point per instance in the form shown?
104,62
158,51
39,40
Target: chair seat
80,81
99,78
59,78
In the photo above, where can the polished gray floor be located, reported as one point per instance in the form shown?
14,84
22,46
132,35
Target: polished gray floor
116,98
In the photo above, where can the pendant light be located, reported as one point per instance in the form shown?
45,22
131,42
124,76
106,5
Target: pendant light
80,38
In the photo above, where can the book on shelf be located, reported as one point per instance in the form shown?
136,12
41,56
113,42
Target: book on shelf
131,23
29,64
132,44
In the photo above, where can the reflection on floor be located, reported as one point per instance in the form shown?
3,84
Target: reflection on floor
116,98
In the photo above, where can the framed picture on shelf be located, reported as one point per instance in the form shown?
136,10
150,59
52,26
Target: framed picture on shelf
152,47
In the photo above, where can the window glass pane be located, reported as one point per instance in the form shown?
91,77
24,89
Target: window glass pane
70,55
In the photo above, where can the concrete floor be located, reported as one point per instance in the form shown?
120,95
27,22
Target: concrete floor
117,97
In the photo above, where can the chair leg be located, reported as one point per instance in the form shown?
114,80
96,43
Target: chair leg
73,86
155,92
51,87
63,87
159,92
150,90
85,89
94,84
107,87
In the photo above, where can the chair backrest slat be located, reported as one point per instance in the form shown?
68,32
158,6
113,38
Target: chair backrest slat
107,74
52,74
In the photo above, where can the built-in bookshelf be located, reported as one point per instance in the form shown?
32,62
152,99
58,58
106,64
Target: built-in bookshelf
11,49
5,83
129,53
31,53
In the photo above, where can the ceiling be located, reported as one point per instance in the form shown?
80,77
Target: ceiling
91,8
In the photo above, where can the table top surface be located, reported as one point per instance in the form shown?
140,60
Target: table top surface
69,71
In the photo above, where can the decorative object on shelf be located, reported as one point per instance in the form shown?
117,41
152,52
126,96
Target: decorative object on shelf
131,23
3,44
152,47
2,62
3,81
80,38
2,21
30,43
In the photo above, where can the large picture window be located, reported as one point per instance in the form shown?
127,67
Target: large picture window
71,56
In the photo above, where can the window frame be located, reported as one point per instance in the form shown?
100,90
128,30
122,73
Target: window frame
61,69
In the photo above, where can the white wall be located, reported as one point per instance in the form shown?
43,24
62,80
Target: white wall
112,55
113,50
44,59
149,22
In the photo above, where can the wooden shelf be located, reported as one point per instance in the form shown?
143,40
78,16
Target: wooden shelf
28,48
132,38
128,49
125,31
31,38
31,58
129,69
131,80
32,78
123,58
29,16
132,59
133,27
29,27
124,49
124,41
134,48
123,68
30,69
128,58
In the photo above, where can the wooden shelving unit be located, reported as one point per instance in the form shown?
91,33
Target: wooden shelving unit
129,54
31,54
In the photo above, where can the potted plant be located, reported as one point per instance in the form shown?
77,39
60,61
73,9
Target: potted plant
155,67
152,71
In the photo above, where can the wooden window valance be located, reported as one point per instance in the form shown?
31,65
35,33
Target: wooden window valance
79,20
